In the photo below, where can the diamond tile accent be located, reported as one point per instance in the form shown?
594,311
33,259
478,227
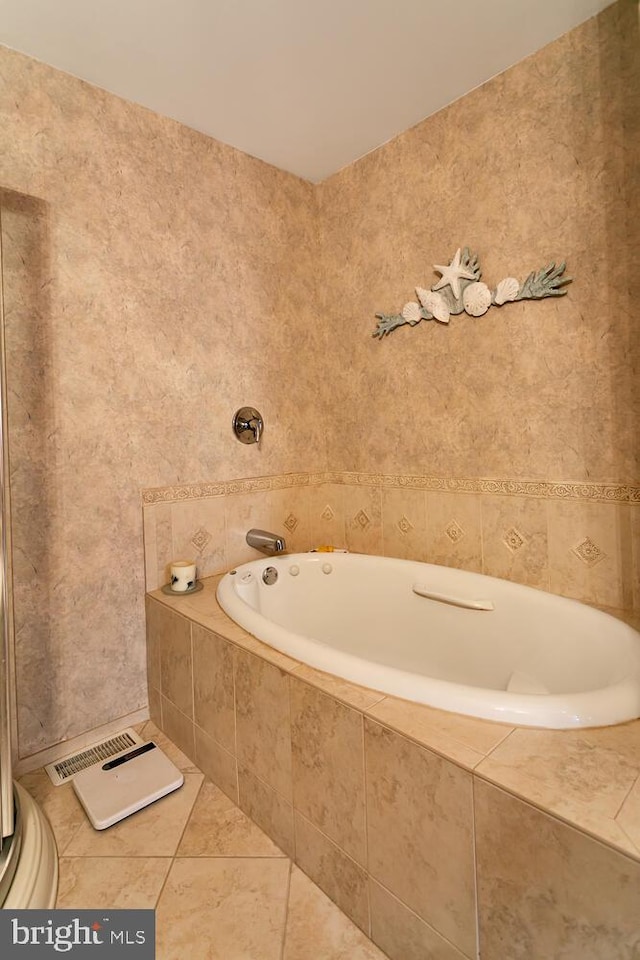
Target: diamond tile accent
200,539
513,539
589,552
362,519
327,513
404,525
291,522
454,531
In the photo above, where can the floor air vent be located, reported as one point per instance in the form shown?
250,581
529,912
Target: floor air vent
65,769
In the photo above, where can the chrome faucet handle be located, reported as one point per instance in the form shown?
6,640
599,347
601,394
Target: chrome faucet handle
248,425
256,425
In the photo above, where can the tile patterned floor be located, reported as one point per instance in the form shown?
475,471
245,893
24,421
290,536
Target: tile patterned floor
221,888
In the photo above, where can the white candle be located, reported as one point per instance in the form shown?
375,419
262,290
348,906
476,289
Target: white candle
183,575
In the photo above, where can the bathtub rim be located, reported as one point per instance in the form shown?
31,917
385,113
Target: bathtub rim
608,706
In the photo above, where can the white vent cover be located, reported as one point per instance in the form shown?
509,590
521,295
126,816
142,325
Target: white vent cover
65,769
126,783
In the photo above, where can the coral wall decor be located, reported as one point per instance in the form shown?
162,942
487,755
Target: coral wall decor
460,289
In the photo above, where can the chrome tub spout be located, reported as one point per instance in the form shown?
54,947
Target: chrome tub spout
269,543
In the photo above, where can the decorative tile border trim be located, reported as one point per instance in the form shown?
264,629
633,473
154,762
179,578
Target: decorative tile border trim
543,489
188,491
204,491
540,489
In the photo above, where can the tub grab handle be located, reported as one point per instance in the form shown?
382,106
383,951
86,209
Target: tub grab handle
423,591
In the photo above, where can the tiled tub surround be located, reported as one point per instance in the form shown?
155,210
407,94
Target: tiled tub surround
581,540
428,829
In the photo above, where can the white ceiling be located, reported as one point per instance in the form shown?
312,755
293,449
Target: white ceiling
309,87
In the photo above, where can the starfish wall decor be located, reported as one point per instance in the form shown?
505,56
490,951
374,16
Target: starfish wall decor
460,289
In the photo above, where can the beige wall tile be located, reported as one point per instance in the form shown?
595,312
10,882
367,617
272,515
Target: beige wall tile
454,530
585,553
362,507
262,650
263,728
218,765
634,514
213,690
229,907
404,523
628,565
328,767
580,775
326,515
341,878
157,534
628,817
546,890
289,510
176,666
420,833
350,693
178,727
244,511
198,535
157,623
267,808
466,740
155,706
401,933
514,539
151,732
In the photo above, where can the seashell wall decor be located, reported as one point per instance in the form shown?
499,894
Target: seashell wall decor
460,290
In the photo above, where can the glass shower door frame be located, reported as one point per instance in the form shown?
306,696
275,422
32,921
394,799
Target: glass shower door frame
6,778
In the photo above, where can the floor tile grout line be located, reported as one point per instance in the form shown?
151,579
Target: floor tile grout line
177,856
173,858
189,815
228,856
170,861
283,946
61,852
119,856
163,887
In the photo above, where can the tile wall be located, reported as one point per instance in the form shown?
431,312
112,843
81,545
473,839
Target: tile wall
422,853
577,540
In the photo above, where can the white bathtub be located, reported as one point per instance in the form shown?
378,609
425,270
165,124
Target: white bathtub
514,654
